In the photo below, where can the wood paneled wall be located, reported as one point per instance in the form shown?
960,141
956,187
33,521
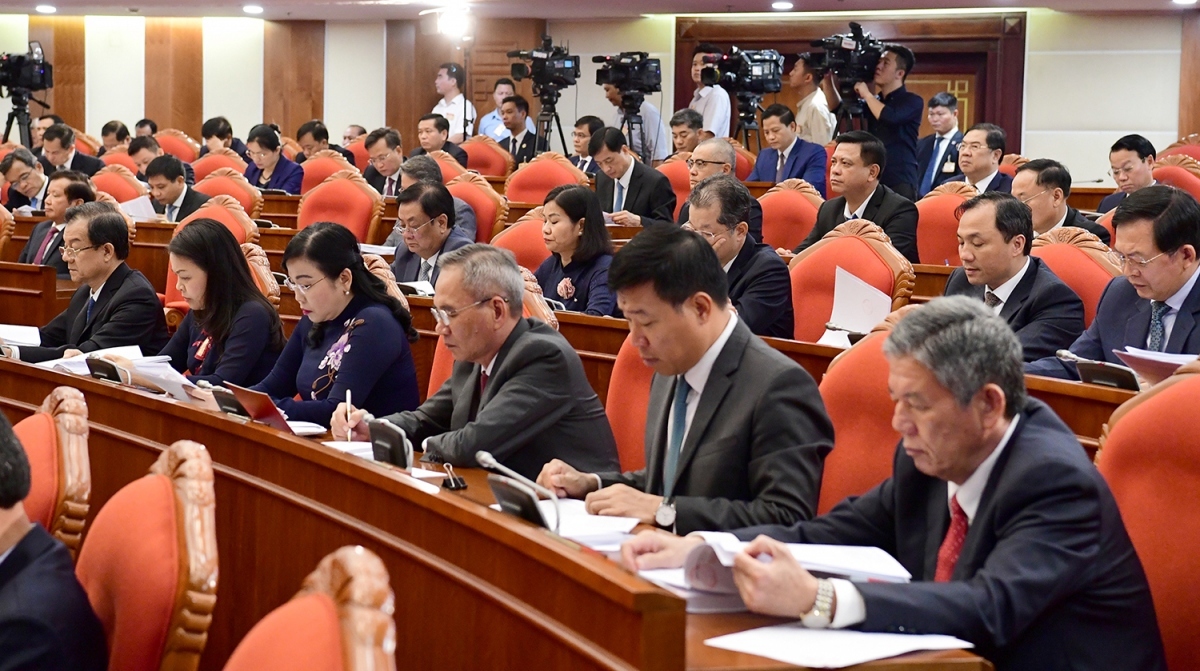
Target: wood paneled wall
294,73
1189,75
62,39
174,74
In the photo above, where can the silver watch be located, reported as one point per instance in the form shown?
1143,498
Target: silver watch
821,615
664,517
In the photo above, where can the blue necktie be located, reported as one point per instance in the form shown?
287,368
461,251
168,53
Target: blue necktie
171,209
1158,329
91,304
934,160
620,202
675,444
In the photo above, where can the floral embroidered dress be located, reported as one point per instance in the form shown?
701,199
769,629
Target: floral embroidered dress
363,350
581,287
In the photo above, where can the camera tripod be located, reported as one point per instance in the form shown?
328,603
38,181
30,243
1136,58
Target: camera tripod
749,105
632,125
20,115
547,121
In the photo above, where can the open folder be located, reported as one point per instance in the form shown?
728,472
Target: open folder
857,308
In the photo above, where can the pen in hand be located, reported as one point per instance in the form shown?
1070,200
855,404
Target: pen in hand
349,431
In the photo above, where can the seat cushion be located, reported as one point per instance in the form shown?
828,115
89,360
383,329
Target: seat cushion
39,437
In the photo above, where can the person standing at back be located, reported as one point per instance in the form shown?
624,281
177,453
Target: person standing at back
454,107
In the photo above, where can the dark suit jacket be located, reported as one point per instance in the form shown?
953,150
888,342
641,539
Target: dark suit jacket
192,200
1111,201
407,265
649,196
88,165
17,199
807,162
1075,218
949,155
46,622
591,168
537,406
454,150
1001,182
755,223
346,154
288,176
529,147
895,214
1047,579
377,180
1044,312
755,449
127,312
53,256
1123,318
761,290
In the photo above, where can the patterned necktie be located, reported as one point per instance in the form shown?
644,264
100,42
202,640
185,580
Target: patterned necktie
934,160
991,299
619,204
779,168
952,545
678,427
390,189
1158,329
483,379
423,275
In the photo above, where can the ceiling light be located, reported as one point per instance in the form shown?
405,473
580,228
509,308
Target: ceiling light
252,9
46,9
782,6
453,22
1184,2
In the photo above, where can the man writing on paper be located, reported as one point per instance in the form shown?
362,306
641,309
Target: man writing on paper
1011,535
736,433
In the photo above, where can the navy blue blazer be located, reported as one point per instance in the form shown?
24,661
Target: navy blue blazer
1001,182
589,282
363,349
1045,313
1123,318
897,127
1047,579
243,359
1075,218
88,165
454,150
287,176
46,622
407,265
53,256
1111,201
761,290
949,157
807,162
591,168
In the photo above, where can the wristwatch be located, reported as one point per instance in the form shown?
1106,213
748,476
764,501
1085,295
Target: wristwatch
821,614
664,517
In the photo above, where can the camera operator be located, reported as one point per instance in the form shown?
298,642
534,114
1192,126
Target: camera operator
894,116
712,102
658,140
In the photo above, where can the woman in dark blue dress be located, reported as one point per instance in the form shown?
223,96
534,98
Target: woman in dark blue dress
270,168
576,274
353,336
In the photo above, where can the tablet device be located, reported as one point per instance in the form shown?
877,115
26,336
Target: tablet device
260,407
389,444
516,499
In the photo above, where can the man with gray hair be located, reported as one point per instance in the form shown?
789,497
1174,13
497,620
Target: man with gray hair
1012,537
518,389
760,287
686,127
425,169
26,178
717,157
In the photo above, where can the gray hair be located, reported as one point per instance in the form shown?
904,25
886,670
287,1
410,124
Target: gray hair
726,191
966,346
488,271
687,117
422,168
723,149
19,154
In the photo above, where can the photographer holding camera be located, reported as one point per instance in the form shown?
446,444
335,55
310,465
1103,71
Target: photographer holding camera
894,116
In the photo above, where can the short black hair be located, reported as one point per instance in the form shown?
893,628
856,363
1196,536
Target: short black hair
439,122
53,117
422,168
1137,144
580,203
115,128
61,132
1050,174
15,479
783,112
218,127
78,187
389,135
870,147
687,117
996,138
70,176
456,71
1013,217
105,226
678,263
433,197
706,48
265,135
608,137
905,58
141,143
1174,213
147,123
518,100
943,99
811,63
165,166
315,128
356,129
503,81
19,154
726,191
593,123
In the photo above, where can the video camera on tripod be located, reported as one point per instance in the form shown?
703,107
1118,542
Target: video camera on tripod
552,69
852,58
634,74
748,75
21,75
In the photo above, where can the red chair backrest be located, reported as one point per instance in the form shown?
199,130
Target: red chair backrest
1076,269
450,168
829,190
177,146
813,281
117,186
303,634
485,159
744,164
788,218
39,437
1105,220
205,165
118,158
524,240
937,229
626,405
358,147
443,367
1178,177
677,173
486,209
344,200
1192,150
532,181
224,181
318,168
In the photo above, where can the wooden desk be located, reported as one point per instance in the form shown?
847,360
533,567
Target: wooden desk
931,281
28,294
1088,197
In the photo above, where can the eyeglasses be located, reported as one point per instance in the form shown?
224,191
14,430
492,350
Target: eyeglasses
700,163
405,230
381,159
1127,170
972,146
711,237
300,289
259,154
1027,200
443,317
69,253
1127,261
25,176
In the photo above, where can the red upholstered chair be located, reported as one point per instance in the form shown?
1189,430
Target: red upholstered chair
524,239
6,148
229,182
1150,460
228,211
86,144
1081,261
677,172
291,149
178,144
937,227
1105,220
318,167
344,198
628,399
1181,172
789,212
449,165
487,157
55,439
8,227
175,308
149,564
1186,146
491,209
118,182
745,159
341,620
533,180
119,156
443,367
215,160
859,247
358,147
1010,162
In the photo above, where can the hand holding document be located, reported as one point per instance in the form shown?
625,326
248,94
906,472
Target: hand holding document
22,336
857,308
1153,367
141,209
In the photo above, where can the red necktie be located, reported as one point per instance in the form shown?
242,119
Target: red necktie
953,543
41,252
483,378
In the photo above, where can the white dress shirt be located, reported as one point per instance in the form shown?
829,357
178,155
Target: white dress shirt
454,112
713,104
38,202
177,204
862,207
1175,302
938,159
1005,290
814,119
697,377
624,182
508,144
657,137
983,183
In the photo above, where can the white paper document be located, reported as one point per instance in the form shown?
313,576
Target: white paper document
852,562
699,602
577,524
427,474
382,250
15,334
141,209
359,448
857,308
77,365
306,428
829,648
163,376
422,288
1153,367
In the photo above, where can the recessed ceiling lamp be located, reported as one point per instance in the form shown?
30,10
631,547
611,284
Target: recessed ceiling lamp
252,9
46,9
782,6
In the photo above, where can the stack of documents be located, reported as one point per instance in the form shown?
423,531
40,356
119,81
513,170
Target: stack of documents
27,336
77,365
159,372
857,308
602,533
359,448
1153,367
829,648
381,250
307,428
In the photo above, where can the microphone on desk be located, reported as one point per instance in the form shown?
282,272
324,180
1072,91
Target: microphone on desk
486,460
1068,355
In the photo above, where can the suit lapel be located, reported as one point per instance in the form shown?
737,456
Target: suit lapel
1138,326
1185,321
1021,292
715,389
604,190
656,431
111,286
498,370
937,516
873,205
635,184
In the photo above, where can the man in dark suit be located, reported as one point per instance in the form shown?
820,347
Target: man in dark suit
38,128
313,136
585,128
144,149
425,169
58,152
386,150
1156,304
114,306
760,287
979,157
217,132
788,157
1044,185
996,234
518,389
432,132
628,188
26,179
736,433
46,621
858,160
1132,160
522,144
67,189
425,223
937,153
170,192
716,157
1012,537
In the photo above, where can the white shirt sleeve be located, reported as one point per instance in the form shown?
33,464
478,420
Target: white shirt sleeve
851,609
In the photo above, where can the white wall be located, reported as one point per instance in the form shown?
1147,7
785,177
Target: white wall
14,39
1091,79
114,70
233,71
355,75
